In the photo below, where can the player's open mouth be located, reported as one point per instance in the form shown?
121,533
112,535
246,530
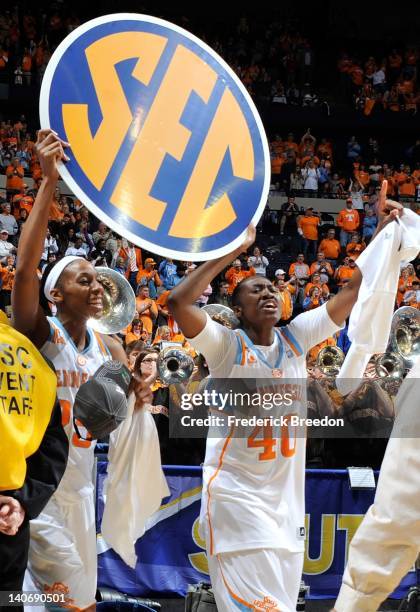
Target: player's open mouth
269,305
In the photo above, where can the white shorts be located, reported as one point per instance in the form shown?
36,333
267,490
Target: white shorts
261,579
62,552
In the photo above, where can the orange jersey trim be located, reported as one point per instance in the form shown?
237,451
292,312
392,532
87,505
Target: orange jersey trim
219,467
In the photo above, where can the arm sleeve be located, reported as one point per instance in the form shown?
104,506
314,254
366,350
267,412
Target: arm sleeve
45,467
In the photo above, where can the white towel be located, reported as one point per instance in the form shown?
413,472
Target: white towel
371,317
135,484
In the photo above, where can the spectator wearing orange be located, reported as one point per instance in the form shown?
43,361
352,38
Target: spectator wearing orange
14,179
146,309
149,276
412,296
56,214
135,333
164,313
324,149
355,247
235,274
407,186
357,75
348,221
27,65
314,299
330,247
7,275
285,300
21,201
314,352
308,229
344,272
277,161
163,333
290,143
362,175
315,281
400,175
323,267
405,283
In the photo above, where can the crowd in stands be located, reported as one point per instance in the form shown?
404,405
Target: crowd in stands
324,251
307,167
275,64
387,83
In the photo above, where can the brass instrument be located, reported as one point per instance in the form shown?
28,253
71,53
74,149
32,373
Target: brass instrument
222,314
174,365
405,335
390,364
329,360
119,303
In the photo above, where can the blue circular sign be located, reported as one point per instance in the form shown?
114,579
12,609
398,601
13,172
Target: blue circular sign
166,145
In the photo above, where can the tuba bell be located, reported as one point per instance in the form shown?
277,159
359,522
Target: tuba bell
222,314
119,303
330,359
390,365
174,365
405,335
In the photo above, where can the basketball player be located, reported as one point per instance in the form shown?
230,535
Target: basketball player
62,556
252,510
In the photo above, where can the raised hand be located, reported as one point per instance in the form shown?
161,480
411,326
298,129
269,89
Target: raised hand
50,150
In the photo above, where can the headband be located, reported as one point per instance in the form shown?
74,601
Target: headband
55,273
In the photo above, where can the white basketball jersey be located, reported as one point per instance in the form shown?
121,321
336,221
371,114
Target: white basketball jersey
73,368
253,484
253,479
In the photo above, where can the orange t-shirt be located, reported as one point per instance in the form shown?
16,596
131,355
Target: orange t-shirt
21,201
276,164
313,353
403,286
315,267
27,63
309,226
150,275
408,187
286,304
130,337
55,212
330,248
234,277
363,177
8,279
146,317
14,182
354,249
293,268
344,273
162,301
348,220
324,288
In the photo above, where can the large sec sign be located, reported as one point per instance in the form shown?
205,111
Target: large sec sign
167,147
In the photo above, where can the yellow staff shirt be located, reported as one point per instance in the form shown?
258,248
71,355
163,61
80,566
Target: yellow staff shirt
27,397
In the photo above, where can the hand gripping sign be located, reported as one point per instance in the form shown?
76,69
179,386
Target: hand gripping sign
167,147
